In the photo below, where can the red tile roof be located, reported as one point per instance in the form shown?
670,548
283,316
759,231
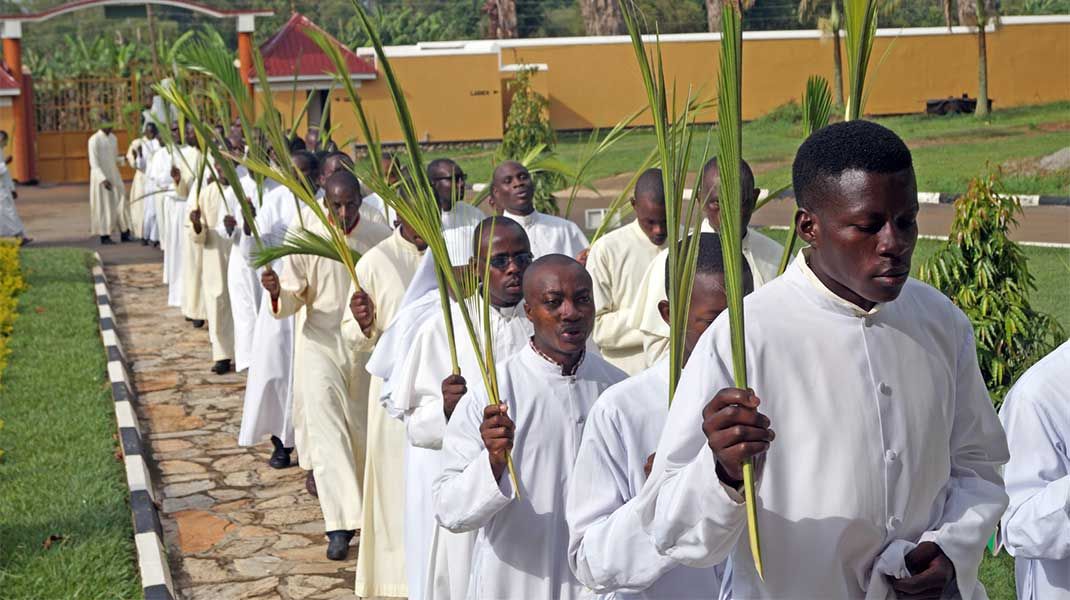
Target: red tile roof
291,44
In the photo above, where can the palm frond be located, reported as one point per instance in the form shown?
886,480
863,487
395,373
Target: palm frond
301,241
594,148
860,25
729,159
619,206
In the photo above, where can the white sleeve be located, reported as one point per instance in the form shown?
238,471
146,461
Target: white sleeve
465,494
601,520
694,518
1037,521
976,498
612,324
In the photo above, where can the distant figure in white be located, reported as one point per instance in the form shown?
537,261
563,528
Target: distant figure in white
141,203
10,223
106,192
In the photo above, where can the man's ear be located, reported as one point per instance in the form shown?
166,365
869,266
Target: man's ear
633,202
663,310
808,226
527,312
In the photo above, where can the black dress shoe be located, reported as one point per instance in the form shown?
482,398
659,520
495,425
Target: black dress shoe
124,236
338,544
310,485
198,323
144,242
221,366
106,239
280,457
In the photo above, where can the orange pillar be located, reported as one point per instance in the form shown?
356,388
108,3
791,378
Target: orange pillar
21,136
245,57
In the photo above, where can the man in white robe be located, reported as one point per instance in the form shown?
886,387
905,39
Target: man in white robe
1036,526
427,392
511,194
137,157
268,408
193,306
319,285
384,274
546,391
609,551
10,223
107,196
215,251
174,173
617,263
762,254
160,184
882,475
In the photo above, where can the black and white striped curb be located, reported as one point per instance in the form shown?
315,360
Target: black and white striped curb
148,533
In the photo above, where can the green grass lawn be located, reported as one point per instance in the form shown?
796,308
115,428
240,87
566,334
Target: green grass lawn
61,476
948,150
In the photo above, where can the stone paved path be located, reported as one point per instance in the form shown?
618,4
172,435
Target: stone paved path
234,527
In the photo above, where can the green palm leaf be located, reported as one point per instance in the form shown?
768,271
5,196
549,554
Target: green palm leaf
860,26
301,241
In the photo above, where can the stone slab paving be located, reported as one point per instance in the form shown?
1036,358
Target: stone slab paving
234,527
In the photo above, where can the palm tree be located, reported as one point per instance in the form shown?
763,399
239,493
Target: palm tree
501,17
975,13
830,26
713,12
602,17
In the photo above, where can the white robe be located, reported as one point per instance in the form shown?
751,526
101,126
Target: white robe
107,208
10,223
439,561
551,235
140,186
243,281
520,550
158,182
193,306
1036,526
384,273
215,251
268,405
609,551
762,254
617,263
174,199
322,372
885,438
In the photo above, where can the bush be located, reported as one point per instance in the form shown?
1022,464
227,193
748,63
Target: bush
527,126
986,275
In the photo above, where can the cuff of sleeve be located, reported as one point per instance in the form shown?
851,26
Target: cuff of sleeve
496,494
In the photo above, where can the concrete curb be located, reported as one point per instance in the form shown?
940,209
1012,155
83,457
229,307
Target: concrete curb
148,532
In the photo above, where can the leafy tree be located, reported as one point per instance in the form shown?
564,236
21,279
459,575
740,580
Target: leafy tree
985,274
976,14
527,127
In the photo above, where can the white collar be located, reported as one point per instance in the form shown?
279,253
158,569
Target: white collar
831,300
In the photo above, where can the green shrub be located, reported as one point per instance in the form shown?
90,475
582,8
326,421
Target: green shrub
986,275
527,126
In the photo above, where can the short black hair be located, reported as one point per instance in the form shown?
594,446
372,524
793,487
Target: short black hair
746,177
710,259
495,222
440,162
850,145
313,162
297,145
650,185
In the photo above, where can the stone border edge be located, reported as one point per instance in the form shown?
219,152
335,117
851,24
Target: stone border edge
148,532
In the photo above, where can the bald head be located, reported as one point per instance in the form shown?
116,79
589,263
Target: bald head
512,189
500,226
546,270
342,197
559,302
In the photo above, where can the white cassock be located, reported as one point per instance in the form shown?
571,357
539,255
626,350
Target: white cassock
521,548
215,252
551,235
175,199
322,372
158,182
1036,526
243,281
762,254
885,438
193,306
384,273
106,207
268,406
617,263
439,561
387,212
608,550
10,223
139,186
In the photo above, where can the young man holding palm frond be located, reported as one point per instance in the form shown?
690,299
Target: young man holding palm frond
512,194
614,459
546,391
427,392
761,253
882,476
617,263
331,418
215,252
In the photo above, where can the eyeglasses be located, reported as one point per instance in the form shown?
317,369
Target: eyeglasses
501,261
455,177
